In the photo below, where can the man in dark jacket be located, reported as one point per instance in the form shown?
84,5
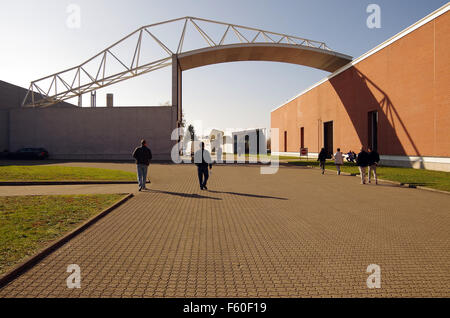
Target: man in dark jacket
202,159
362,160
143,155
374,159
322,159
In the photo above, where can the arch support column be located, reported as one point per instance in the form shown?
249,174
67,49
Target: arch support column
176,91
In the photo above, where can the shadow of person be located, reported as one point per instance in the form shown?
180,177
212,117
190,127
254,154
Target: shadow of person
183,195
249,195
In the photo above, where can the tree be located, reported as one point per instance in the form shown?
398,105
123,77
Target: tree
191,131
183,120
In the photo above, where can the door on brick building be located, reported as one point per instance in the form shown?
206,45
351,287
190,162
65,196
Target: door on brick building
373,130
302,137
328,138
285,141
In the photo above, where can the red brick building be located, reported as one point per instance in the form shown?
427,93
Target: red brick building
395,98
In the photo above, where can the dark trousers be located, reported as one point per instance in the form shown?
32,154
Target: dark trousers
322,165
203,175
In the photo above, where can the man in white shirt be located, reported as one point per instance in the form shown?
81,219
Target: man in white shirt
338,160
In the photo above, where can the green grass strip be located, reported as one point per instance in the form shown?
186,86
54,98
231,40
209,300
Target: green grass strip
28,223
439,180
62,173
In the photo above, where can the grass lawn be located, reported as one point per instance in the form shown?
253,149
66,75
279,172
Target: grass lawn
28,223
62,173
439,180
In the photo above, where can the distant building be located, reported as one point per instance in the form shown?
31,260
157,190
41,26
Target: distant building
250,141
217,139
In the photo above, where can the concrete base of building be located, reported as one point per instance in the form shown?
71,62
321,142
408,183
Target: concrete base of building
416,162
429,163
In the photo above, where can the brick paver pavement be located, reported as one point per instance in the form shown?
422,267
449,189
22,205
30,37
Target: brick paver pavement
293,234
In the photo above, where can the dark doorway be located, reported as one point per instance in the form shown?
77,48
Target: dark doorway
328,138
235,144
373,130
302,137
285,141
247,144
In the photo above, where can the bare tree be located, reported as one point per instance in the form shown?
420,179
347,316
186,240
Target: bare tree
183,120
191,131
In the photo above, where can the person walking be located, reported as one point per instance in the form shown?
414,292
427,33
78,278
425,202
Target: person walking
362,161
143,155
374,159
322,158
351,156
338,160
202,159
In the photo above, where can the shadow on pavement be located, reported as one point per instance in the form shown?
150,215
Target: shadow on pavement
249,195
184,195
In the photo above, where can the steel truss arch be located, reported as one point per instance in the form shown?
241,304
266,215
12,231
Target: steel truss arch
78,80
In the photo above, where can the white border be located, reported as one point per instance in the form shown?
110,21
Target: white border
381,46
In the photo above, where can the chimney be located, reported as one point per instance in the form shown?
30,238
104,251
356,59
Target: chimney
109,100
93,99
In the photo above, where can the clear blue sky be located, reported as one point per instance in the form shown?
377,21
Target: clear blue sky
37,42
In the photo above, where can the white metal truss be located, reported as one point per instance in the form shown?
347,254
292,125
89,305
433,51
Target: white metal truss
79,80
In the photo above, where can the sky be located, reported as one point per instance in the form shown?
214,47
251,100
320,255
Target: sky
39,38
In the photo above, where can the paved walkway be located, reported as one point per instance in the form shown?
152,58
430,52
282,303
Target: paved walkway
293,234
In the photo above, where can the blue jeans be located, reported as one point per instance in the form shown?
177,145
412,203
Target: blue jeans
142,175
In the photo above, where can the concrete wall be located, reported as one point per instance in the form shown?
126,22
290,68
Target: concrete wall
92,133
11,96
256,141
4,130
406,82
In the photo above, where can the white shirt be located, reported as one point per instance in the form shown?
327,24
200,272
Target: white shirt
338,158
